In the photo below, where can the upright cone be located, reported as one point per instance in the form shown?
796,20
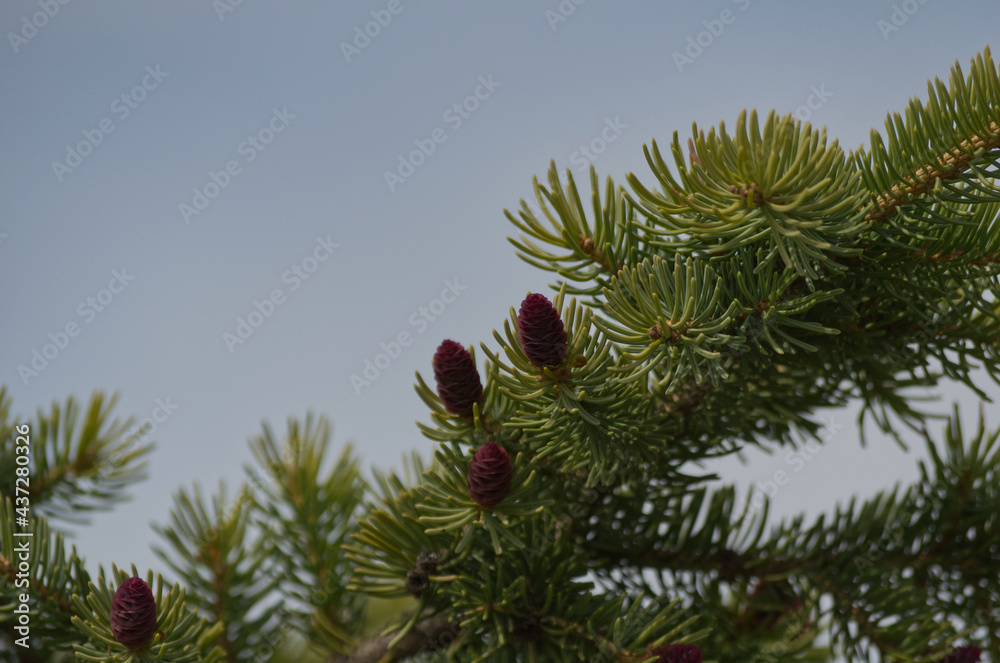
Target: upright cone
458,383
490,474
543,337
133,614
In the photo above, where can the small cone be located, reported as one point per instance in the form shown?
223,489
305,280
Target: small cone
490,473
458,383
133,614
543,337
678,654
966,654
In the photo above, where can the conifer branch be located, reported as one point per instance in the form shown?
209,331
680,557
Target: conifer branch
24,654
951,165
429,635
38,587
957,254
768,275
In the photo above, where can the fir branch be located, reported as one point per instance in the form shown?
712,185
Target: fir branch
180,636
61,601
23,654
80,463
227,567
308,512
54,576
957,255
595,250
429,635
770,275
951,165
928,533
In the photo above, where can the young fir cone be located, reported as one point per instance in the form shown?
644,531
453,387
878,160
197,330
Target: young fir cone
543,337
966,654
678,654
490,473
458,382
133,614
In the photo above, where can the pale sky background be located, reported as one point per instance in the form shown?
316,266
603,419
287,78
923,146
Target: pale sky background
553,88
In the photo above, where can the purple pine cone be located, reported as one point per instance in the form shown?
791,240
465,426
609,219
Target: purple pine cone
490,473
966,654
678,654
543,337
458,382
133,614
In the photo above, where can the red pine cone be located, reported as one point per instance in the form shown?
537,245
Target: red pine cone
133,614
490,473
458,382
678,654
966,654
543,337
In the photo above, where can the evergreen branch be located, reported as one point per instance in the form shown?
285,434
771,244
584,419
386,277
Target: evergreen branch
49,576
594,253
429,635
79,468
181,636
958,255
308,514
951,138
950,166
226,569
780,187
770,275
930,532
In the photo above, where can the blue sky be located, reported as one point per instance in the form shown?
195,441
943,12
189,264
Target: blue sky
272,123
